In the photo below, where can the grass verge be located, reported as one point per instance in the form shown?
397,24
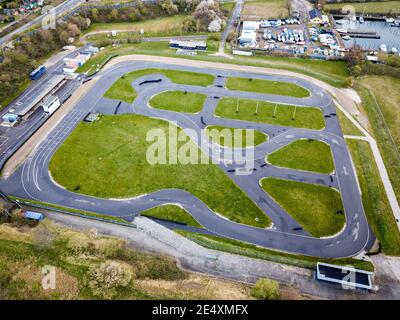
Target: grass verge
376,205
333,72
267,86
253,251
348,128
268,112
172,213
381,7
316,208
381,98
122,88
237,138
51,205
179,101
113,163
309,155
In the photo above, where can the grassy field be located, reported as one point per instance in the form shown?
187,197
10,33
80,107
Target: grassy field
122,88
179,101
154,27
250,250
314,207
172,213
305,117
76,256
381,7
348,128
226,137
376,205
263,9
113,164
309,155
335,73
267,86
381,100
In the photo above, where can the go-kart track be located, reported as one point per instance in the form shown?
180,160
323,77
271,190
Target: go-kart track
32,179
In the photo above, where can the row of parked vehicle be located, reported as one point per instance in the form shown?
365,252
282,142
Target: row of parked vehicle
278,22
329,52
286,36
293,49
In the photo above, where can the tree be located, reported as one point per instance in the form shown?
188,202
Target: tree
113,15
108,277
136,16
215,25
207,11
265,289
94,14
73,30
169,7
63,36
354,56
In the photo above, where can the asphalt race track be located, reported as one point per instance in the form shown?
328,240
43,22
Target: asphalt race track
32,179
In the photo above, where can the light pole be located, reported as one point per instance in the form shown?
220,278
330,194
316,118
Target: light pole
276,105
294,112
237,105
256,108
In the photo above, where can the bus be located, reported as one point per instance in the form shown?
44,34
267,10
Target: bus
35,74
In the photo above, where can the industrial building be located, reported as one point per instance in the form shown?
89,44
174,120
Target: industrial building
316,16
22,107
188,45
51,104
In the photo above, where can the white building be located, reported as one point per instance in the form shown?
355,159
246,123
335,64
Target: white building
247,37
251,25
51,104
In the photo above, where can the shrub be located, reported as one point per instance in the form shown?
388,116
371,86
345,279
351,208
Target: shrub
107,278
265,289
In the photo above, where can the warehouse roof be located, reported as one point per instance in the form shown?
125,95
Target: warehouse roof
23,106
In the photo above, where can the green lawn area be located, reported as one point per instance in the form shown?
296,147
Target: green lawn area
179,101
309,155
305,117
348,128
376,205
153,27
380,7
112,163
267,86
250,250
314,207
122,88
262,9
226,137
381,100
335,73
172,213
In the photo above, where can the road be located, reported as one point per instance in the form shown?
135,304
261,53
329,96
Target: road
62,8
13,137
230,26
32,180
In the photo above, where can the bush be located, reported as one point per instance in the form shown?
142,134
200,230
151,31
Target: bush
265,289
107,278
